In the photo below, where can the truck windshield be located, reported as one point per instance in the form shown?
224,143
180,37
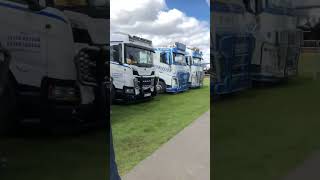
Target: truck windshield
196,61
179,59
138,56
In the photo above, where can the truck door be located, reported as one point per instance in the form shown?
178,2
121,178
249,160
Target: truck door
61,44
117,69
23,36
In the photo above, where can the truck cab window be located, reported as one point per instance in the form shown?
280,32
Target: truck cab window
163,58
115,53
178,59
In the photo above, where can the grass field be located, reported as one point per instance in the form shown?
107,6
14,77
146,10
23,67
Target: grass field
140,129
266,132
52,158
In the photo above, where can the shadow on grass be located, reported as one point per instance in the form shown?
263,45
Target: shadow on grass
258,87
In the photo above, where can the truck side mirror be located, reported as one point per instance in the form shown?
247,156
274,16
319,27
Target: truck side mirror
119,54
34,5
42,3
250,6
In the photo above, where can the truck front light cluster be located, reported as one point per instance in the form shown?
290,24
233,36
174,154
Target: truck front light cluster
174,82
86,66
136,83
63,93
129,91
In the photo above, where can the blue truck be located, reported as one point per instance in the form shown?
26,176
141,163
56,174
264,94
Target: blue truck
171,68
231,47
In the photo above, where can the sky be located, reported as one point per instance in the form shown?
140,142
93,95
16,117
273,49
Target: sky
164,21
195,8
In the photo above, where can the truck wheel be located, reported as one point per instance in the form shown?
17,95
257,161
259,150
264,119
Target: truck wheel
8,104
163,87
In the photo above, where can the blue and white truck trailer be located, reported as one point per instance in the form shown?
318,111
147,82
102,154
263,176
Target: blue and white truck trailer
171,68
231,47
194,60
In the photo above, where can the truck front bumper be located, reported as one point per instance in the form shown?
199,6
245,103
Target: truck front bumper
177,89
143,95
194,85
84,114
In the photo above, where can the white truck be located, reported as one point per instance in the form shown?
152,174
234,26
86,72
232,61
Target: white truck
194,61
132,68
171,68
277,39
58,53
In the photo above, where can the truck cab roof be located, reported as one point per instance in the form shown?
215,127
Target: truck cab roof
177,47
194,52
120,37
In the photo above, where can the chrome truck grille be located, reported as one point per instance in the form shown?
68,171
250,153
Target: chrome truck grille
145,82
86,63
183,79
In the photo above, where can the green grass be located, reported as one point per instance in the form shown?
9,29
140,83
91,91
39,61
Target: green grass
52,158
140,129
264,133
309,63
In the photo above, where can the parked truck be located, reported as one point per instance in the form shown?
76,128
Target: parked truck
194,61
132,68
278,40
171,68
231,48
58,54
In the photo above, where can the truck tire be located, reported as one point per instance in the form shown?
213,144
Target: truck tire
163,87
8,107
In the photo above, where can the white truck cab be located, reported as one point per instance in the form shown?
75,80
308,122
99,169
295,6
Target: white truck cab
132,67
55,48
172,68
278,40
194,61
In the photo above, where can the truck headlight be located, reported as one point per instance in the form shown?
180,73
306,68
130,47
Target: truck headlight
63,93
174,82
136,83
129,90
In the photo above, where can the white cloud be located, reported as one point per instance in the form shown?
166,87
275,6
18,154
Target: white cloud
208,2
152,19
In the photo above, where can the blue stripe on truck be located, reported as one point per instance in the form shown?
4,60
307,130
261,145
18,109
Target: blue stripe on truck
43,13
